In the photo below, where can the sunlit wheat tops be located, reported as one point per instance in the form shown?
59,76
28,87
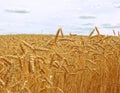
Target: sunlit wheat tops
60,63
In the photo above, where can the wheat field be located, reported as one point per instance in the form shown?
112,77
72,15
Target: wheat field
60,63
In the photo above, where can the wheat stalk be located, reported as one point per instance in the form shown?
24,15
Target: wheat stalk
48,81
41,49
97,30
23,86
56,37
11,56
57,89
23,50
41,58
15,84
91,33
65,68
28,45
114,33
6,60
32,66
2,82
92,62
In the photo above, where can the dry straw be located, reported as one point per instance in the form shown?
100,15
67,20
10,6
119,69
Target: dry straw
60,64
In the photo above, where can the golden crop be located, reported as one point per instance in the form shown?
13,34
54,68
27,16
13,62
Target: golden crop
60,64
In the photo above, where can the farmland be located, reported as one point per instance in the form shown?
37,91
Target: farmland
60,63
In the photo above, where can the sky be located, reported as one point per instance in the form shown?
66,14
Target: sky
46,16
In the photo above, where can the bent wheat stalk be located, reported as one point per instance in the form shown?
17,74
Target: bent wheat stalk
41,58
97,30
114,32
65,68
48,81
50,42
92,62
28,45
92,33
56,37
